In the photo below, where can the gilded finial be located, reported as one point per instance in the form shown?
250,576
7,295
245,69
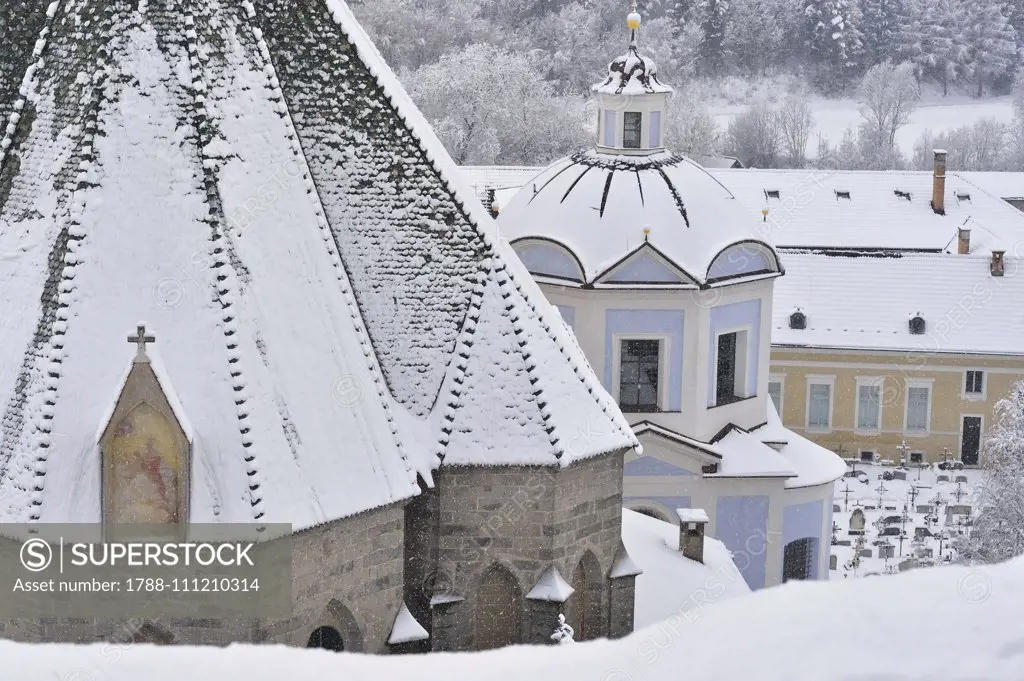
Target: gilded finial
647,232
634,20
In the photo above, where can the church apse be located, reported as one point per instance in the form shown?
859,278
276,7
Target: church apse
145,451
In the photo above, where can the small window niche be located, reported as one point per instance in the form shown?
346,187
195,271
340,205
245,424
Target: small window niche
917,325
798,321
842,195
145,453
632,123
655,129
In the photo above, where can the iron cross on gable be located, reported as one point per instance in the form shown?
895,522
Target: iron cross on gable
140,339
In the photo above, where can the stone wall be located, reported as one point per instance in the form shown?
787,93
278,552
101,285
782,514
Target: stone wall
346,574
524,520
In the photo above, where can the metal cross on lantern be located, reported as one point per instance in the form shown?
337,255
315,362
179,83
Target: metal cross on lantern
140,339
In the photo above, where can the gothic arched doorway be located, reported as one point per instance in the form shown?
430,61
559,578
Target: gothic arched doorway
583,609
799,559
499,610
327,638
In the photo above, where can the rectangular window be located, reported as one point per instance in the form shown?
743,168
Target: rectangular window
609,128
867,456
869,406
730,367
631,123
639,367
975,383
918,406
819,406
655,129
775,392
916,457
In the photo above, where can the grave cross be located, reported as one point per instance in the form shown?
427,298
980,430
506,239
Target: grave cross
140,339
846,497
959,493
914,491
881,489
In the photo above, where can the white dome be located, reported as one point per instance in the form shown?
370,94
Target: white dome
598,207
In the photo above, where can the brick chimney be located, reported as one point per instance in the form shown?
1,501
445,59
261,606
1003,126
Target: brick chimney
964,241
692,522
939,183
998,267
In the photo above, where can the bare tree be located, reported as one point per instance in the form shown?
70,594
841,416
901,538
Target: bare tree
690,128
753,137
888,97
999,529
796,123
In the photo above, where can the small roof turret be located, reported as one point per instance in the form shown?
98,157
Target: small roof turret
632,73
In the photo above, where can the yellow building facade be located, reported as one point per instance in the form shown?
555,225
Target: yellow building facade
940,405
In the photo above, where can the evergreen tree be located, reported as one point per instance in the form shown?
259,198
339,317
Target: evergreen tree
934,41
834,41
884,25
714,15
991,41
998,532
757,35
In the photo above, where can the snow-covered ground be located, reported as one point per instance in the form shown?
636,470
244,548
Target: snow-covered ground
941,624
671,585
894,496
833,116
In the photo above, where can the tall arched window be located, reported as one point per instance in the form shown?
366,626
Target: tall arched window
498,621
583,609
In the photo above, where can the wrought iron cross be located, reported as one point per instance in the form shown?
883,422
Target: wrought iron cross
140,339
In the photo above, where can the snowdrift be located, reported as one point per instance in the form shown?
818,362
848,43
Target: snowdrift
940,624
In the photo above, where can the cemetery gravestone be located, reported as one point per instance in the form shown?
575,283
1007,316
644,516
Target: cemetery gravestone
833,562
925,508
886,551
864,553
890,532
857,522
961,478
942,478
900,475
836,508
921,532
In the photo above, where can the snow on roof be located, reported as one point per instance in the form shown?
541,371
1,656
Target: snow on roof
550,587
720,638
673,586
632,74
744,455
406,629
1001,185
965,309
692,515
814,465
308,270
808,214
598,207
624,566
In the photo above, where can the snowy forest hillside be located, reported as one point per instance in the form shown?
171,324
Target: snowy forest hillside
506,82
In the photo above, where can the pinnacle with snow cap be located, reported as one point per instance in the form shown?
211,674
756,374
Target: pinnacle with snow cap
140,339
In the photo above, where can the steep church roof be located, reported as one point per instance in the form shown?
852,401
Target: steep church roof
332,307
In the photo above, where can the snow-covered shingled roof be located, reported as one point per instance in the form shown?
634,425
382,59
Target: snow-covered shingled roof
808,213
965,308
326,292
598,207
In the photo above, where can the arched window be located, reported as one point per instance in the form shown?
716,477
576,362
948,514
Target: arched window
326,638
798,320
547,258
583,609
917,326
498,621
743,259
